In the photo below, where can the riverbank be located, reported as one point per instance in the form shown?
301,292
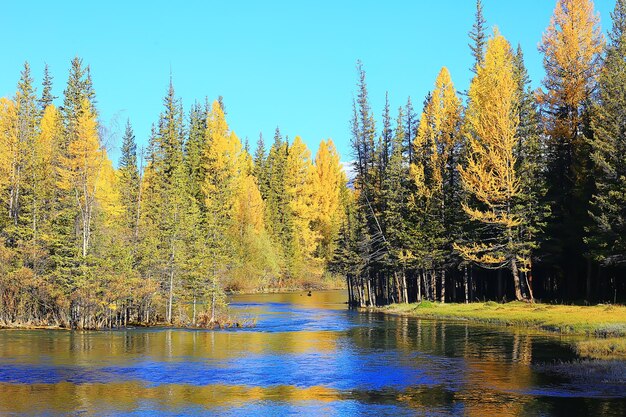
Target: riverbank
604,326
223,320
326,282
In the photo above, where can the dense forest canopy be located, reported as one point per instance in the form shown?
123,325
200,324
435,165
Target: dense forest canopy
499,192
160,238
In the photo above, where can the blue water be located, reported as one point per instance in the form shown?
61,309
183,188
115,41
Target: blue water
306,356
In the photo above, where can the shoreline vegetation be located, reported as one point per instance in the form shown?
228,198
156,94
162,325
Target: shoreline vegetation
225,319
603,325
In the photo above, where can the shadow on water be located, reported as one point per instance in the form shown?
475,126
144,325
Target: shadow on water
307,356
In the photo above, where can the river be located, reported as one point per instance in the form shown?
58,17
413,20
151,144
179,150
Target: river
306,356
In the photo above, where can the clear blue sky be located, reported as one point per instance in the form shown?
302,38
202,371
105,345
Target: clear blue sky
277,63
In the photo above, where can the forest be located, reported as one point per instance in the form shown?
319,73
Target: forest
162,237
502,192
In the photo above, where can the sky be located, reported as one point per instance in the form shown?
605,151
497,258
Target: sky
276,63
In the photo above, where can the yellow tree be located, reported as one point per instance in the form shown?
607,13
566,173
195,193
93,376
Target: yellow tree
328,182
46,155
80,170
436,148
225,166
572,46
437,136
225,162
9,151
299,190
256,255
107,193
489,175
249,206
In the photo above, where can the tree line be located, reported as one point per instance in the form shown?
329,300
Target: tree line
501,192
160,238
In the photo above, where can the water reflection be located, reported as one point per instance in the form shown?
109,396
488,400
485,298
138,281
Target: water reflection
307,356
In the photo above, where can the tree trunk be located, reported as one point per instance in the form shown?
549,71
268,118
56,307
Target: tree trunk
193,318
350,290
418,281
465,286
370,296
518,290
361,290
443,286
213,305
589,269
529,282
404,287
398,289
433,285
170,297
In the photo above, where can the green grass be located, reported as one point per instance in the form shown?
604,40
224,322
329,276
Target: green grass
600,320
598,348
605,325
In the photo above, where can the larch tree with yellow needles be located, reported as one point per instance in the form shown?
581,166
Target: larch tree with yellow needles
299,180
328,180
489,174
81,170
572,46
224,167
9,153
434,172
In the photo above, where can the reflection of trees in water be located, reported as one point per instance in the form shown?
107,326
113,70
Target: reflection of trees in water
495,376
468,369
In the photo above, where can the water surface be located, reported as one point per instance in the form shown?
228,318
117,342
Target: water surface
307,356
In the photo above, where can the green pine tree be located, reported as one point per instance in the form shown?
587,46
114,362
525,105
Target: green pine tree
46,93
129,180
478,36
607,235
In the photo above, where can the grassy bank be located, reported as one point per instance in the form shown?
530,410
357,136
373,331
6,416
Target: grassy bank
603,325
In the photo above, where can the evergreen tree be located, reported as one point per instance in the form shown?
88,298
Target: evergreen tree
194,150
22,204
410,129
260,167
74,94
46,93
129,180
531,166
373,247
277,213
573,32
478,36
607,234
395,189
167,198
